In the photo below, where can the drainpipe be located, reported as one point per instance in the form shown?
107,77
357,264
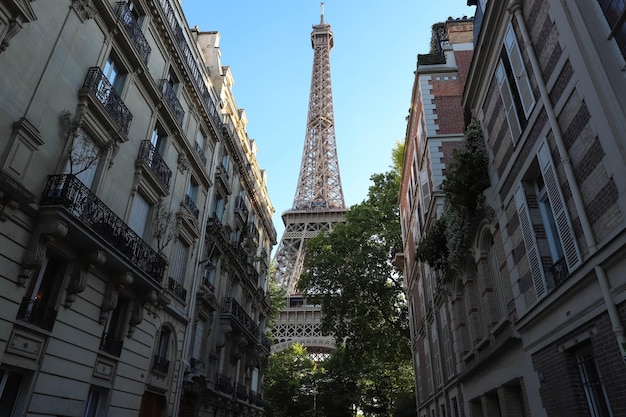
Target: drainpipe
515,8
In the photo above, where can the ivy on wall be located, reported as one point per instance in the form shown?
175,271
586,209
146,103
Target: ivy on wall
445,245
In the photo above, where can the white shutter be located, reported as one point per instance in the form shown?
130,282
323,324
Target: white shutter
519,71
507,100
532,251
179,265
559,209
139,214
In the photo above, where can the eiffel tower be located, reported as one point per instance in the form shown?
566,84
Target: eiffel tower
317,206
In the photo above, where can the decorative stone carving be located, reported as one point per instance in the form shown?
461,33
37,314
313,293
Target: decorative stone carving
136,316
183,162
224,329
33,258
84,9
111,294
78,275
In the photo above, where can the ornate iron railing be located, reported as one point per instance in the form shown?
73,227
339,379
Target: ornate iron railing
265,341
169,95
256,399
111,344
240,207
200,153
160,364
253,231
37,313
223,384
241,392
232,307
152,158
134,31
67,191
196,74
177,288
559,271
191,206
99,85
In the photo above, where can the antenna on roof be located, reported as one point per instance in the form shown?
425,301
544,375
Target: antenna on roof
322,22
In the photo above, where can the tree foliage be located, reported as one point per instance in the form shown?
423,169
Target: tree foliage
288,382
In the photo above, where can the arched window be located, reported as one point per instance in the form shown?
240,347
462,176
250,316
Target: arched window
163,351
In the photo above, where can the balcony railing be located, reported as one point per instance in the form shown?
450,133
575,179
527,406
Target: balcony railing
256,399
67,191
160,364
223,384
200,153
99,85
196,74
134,31
265,341
177,288
36,313
241,392
152,158
233,308
253,231
172,101
111,344
559,271
191,206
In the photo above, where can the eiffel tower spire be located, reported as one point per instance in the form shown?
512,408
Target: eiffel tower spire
319,183
317,206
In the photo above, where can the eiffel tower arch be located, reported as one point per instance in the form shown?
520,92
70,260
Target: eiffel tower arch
318,205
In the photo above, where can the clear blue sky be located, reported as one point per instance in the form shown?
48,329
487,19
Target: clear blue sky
267,46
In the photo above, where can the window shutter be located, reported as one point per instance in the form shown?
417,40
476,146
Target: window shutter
139,214
530,243
559,209
519,71
181,253
507,100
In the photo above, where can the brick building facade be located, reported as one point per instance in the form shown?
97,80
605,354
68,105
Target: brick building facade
537,316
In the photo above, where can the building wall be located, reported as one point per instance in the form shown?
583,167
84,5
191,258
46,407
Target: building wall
127,236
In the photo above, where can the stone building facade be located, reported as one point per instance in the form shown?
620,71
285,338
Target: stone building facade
135,224
538,315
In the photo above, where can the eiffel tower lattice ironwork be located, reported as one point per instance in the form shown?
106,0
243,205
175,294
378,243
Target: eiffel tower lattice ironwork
317,206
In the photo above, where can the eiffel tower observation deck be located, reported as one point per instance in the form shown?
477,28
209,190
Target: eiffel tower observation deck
317,206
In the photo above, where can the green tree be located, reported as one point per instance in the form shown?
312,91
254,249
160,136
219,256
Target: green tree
289,383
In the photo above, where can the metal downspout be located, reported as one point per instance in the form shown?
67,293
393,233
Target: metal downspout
515,8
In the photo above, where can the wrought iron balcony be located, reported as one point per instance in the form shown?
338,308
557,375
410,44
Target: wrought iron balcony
111,344
97,83
191,206
241,209
253,231
241,392
177,288
169,95
156,163
68,192
200,153
256,399
196,74
160,364
233,309
37,313
134,31
223,384
265,341
559,271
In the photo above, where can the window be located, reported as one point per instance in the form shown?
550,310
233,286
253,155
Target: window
158,139
139,214
541,206
83,158
179,263
595,393
11,384
39,308
210,272
114,72
170,83
95,406
220,204
225,161
615,14
114,327
192,190
514,85
199,339
161,362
